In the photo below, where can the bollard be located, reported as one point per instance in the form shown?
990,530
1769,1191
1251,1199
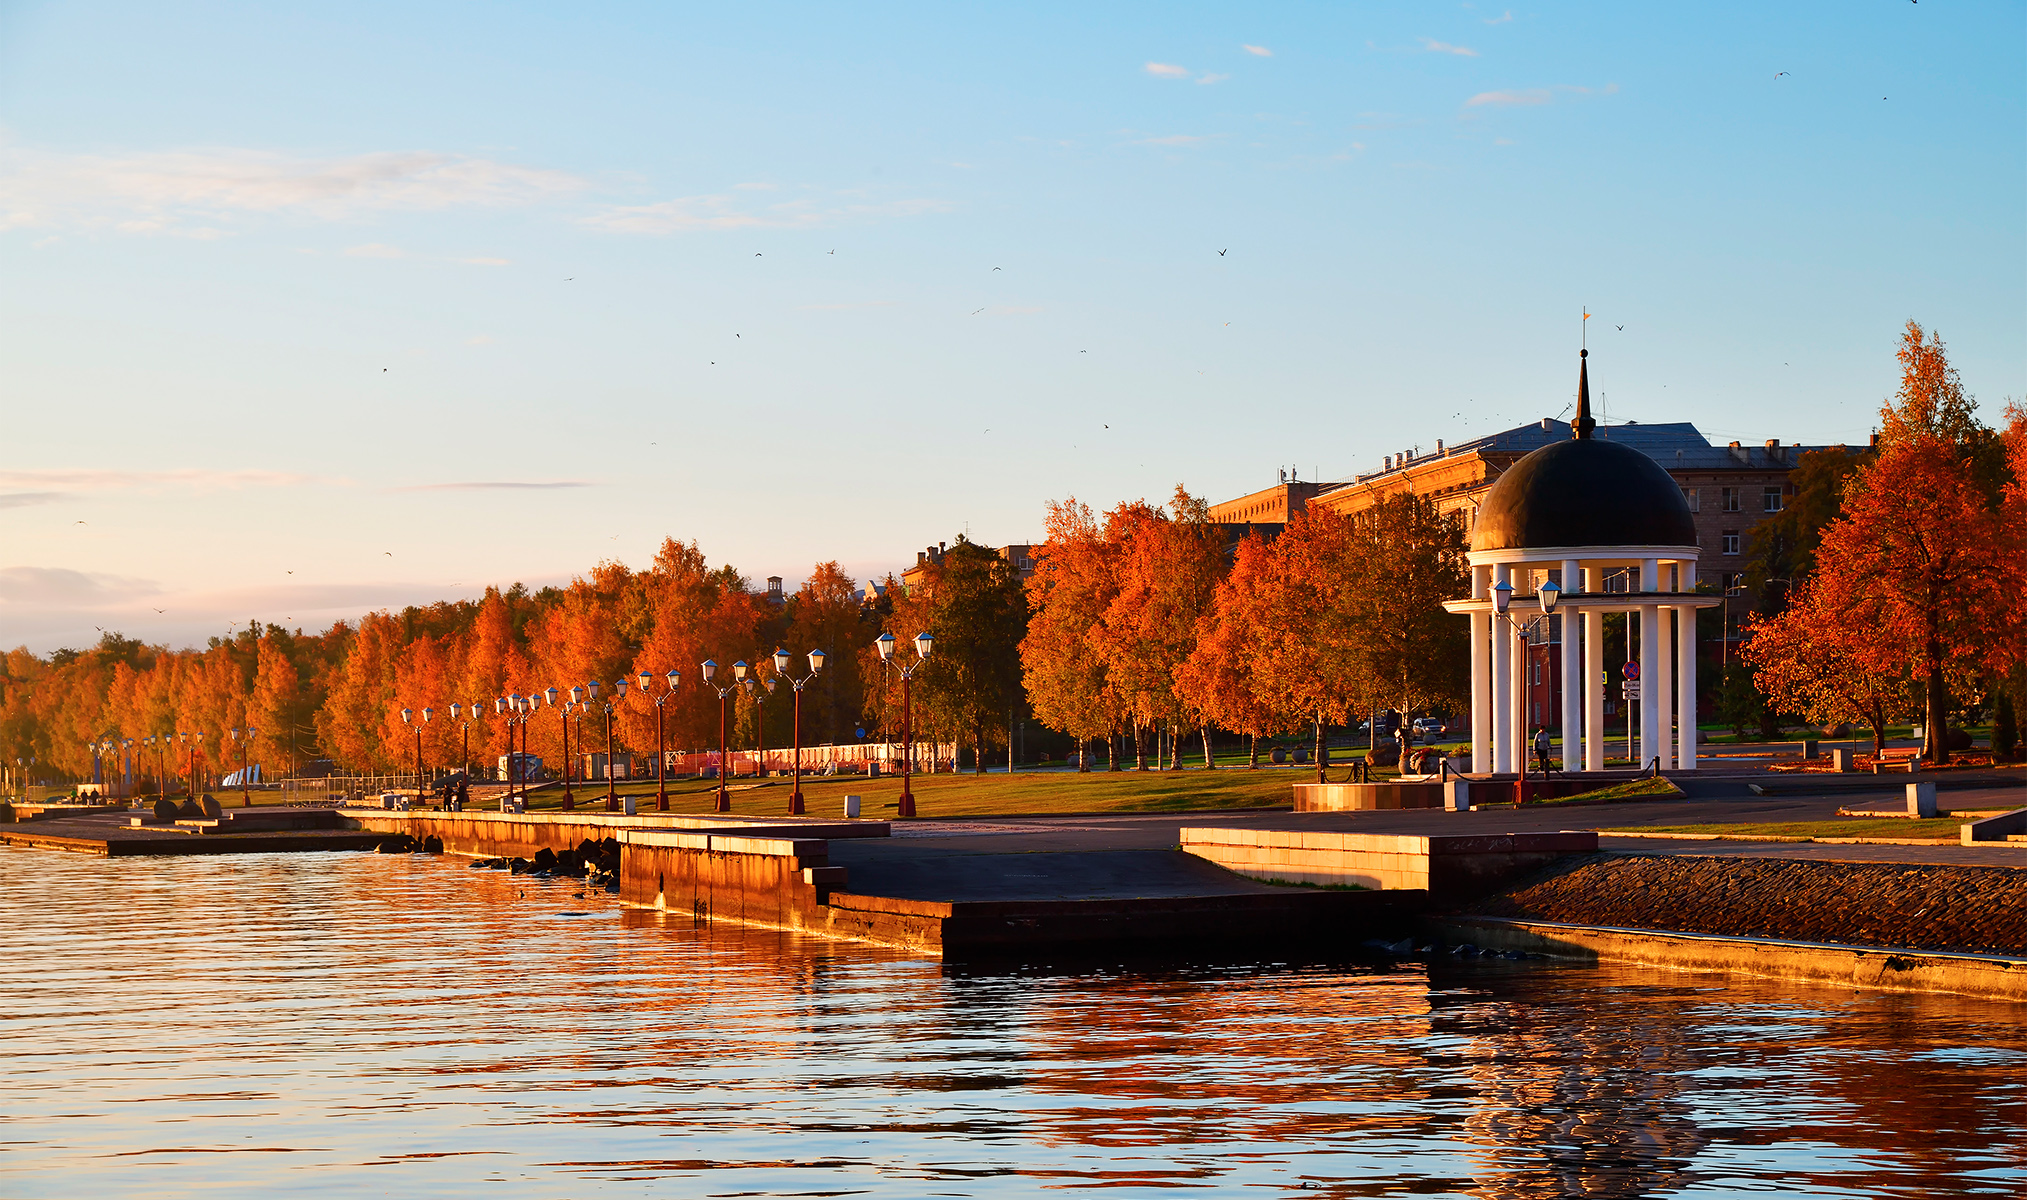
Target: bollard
629,805
1840,761
851,808
1809,748
1921,799
1457,795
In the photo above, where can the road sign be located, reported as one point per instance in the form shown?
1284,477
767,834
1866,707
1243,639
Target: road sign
1631,670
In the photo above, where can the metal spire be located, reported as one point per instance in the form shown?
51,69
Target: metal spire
1582,424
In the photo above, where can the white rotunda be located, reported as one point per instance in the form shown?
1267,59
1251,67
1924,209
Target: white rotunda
1571,532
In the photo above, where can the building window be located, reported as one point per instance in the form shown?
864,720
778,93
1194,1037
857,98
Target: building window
1733,581
1731,541
1731,499
1772,499
1689,494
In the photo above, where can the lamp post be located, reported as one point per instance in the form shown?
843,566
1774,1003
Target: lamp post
758,690
781,661
1502,596
710,669
923,644
407,718
243,734
661,748
618,694
465,715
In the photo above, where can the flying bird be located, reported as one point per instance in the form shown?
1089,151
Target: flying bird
1621,328
756,254
161,610
833,252
995,268
80,522
976,311
388,553
1221,254
1778,74
735,335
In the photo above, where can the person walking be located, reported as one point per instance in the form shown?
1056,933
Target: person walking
1541,745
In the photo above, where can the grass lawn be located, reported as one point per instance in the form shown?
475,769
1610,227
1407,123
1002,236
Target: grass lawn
968,795
1619,791
1941,829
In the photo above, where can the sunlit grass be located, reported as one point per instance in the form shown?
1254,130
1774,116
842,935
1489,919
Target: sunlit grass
1938,829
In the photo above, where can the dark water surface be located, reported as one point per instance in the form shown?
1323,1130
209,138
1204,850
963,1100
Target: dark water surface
357,1024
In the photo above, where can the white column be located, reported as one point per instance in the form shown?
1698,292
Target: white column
1594,679
1481,675
1650,653
1572,672
1502,685
1685,685
1481,692
1662,691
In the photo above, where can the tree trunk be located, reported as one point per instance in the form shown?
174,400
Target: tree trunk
1210,763
1085,748
1139,746
1252,752
1319,747
1934,730
1112,762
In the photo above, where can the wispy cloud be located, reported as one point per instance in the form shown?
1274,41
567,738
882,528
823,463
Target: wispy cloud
191,193
690,214
39,586
1501,19
499,485
191,478
483,339
374,250
1166,70
1260,51
1212,78
1435,47
1173,139
1524,97
847,306
29,499
1508,99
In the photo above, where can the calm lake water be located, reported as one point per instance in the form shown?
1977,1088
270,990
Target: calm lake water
357,1024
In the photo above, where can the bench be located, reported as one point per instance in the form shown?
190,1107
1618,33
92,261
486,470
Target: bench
1905,760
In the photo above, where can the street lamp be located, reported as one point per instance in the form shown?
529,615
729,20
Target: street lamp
758,690
407,718
923,644
243,734
661,748
1502,596
781,661
466,715
618,694
710,669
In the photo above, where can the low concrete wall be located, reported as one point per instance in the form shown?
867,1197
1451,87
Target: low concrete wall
1994,829
522,835
1365,797
1447,866
1988,976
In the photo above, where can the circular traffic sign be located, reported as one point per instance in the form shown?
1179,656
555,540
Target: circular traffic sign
1631,670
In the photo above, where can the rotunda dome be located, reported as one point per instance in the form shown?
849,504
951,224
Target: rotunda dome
1583,492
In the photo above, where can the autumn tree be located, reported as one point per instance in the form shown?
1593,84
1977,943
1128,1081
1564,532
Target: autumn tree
1408,558
1807,659
1072,587
1922,559
1218,676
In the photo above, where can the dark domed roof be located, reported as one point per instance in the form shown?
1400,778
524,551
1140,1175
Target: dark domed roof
1584,492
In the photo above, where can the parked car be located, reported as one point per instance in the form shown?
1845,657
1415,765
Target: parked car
1430,726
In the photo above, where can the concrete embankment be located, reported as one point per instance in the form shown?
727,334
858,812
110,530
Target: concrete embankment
1904,927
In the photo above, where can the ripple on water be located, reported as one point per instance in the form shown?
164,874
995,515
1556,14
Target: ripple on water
353,1023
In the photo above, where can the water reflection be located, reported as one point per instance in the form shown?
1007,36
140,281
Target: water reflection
348,1023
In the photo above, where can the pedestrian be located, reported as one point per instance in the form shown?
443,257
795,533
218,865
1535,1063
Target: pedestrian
463,792
1541,745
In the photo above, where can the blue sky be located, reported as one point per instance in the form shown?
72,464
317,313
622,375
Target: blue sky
306,311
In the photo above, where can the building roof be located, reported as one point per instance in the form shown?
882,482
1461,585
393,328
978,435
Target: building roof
1584,491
